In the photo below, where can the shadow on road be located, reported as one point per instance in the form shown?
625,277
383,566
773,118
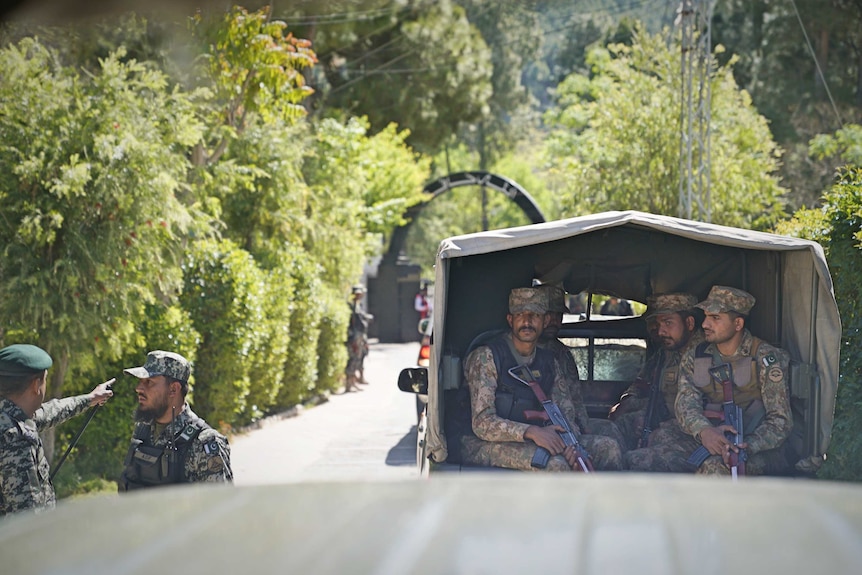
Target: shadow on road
403,452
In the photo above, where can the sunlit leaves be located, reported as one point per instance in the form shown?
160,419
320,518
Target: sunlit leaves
616,140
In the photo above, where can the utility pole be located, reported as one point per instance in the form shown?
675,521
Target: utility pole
694,17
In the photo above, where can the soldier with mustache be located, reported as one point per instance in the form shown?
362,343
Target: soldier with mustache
501,435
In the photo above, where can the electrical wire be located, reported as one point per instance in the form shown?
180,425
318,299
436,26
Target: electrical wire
817,64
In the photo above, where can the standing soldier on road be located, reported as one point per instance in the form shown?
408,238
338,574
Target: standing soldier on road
357,341
24,471
171,444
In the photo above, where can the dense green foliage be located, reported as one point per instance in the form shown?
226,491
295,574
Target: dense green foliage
217,192
615,143
208,217
838,227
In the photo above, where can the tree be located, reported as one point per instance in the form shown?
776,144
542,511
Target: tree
615,140
429,74
90,169
253,67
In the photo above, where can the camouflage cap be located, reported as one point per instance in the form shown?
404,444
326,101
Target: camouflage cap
527,299
358,288
660,304
172,365
556,298
23,359
724,299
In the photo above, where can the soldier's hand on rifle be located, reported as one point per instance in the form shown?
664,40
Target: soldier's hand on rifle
547,437
730,450
714,440
102,392
571,457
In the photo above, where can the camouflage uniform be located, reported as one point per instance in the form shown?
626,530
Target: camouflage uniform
671,446
500,442
207,458
569,370
24,469
205,452
357,338
631,423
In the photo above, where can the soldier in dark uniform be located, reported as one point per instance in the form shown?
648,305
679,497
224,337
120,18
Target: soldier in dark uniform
170,443
24,471
501,435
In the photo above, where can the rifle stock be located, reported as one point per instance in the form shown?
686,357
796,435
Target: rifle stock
552,415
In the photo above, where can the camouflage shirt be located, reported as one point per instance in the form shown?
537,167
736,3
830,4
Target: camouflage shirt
669,376
208,456
481,375
24,469
772,366
569,369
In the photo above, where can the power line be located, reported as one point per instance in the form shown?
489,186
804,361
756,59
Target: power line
817,64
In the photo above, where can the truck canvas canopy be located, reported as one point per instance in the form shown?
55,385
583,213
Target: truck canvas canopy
632,255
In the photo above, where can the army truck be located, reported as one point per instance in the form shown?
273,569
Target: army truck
631,255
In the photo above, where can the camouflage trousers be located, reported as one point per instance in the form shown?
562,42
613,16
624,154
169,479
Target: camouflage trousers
631,426
770,462
669,448
608,428
604,451
357,349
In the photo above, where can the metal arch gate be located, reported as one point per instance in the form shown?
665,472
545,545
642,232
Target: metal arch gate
440,186
397,281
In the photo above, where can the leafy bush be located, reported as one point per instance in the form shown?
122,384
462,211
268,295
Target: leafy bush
300,367
837,227
331,348
266,372
224,295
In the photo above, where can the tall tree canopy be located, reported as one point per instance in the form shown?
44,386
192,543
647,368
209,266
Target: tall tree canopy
615,139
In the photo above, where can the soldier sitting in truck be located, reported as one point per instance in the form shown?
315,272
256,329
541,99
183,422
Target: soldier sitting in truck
502,437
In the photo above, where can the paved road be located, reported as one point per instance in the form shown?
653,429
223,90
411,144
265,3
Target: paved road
365,435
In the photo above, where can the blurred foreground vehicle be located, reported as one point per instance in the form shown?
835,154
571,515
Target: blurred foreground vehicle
577,524
631,255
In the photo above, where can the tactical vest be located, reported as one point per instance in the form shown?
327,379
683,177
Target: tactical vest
513,397
746,388
150,466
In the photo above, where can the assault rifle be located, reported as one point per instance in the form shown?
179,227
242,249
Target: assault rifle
551,416
731,415
654,398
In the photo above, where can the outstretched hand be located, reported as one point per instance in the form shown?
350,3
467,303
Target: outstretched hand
102,392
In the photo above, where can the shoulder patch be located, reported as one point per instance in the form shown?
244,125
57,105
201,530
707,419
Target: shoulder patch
775,374
211,447
768,360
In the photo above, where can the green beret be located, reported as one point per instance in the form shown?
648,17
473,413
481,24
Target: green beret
23,359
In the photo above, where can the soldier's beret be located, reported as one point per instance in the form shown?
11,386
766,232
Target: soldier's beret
23,359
